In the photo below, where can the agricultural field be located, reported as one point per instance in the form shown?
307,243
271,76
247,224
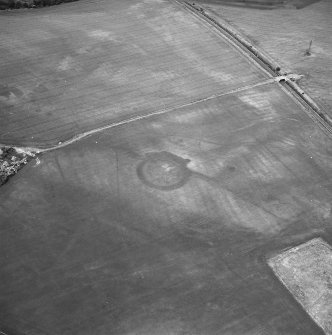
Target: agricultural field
72,68
300,40
173,184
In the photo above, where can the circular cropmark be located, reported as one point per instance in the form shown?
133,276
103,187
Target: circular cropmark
163,171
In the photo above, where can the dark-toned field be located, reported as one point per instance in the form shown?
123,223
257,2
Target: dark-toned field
70,69
262,4
172,221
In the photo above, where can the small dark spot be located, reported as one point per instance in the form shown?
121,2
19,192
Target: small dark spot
231,168
7,91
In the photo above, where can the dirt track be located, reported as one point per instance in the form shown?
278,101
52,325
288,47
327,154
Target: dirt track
76,71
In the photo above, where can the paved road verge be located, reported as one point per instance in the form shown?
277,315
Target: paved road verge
267,61
285,35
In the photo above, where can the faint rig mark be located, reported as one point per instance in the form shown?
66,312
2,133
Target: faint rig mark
164,171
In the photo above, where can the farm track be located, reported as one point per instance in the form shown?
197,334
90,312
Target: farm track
236,39
102,78
78,137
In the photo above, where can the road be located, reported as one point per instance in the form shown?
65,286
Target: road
285,34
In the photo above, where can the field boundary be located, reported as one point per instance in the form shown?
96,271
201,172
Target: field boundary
17,4
264,60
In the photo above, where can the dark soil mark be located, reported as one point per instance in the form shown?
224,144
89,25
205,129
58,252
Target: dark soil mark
6,92
163,171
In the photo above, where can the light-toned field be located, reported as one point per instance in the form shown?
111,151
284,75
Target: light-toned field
285,35
92,248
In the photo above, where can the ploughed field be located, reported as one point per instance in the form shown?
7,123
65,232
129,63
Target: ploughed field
71,68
